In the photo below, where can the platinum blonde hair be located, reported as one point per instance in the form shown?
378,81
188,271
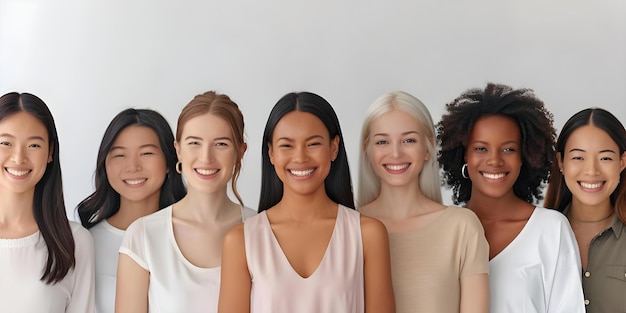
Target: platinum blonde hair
369,182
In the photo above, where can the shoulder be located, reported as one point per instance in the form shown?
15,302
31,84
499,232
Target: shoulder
83,240
371,227
457,216
156,220
545,216
235,235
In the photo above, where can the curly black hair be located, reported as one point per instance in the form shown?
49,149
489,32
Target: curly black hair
537,137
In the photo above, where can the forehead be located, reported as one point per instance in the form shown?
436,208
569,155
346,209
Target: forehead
395,121
495,128
136,135
297,124
207,124
590,137
23,124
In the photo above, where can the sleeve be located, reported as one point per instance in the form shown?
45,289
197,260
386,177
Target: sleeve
134,243
475,256
82,299
566,295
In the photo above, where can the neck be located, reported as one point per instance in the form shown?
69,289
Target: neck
131,210
488,208
300,207
400,202
16,214
202,206
585,213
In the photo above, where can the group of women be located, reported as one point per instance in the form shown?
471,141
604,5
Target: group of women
164,245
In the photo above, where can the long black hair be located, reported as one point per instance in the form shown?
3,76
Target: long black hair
338,184
558,195
48,202
104,202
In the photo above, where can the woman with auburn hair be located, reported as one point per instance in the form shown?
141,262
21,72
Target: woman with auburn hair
46,262
307,250
135,176
170,260
439,254
497,145
588,185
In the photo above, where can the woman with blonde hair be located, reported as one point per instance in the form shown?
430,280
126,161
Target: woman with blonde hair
438,253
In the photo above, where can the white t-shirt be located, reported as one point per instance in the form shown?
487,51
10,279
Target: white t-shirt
539,271
107,240
176,285
22,263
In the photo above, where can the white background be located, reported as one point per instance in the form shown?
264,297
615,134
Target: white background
88,60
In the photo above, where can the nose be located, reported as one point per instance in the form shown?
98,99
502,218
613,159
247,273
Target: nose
396,150
207,154
591,167
495,158
300,155
133,164
19,155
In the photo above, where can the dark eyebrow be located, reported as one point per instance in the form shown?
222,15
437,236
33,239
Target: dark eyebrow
223,138
307,139
193,137
504,143
601,151
29,138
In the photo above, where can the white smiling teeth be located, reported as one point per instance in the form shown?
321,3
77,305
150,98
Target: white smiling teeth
135,181
397,167
494,176
591,186
301,173
206,172
17,173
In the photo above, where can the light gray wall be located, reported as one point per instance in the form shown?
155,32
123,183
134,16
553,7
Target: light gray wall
90,59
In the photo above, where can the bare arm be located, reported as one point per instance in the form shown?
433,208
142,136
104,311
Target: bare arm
475,293
376,267
131,291
235,281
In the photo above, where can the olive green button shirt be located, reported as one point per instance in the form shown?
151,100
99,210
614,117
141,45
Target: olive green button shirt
604,279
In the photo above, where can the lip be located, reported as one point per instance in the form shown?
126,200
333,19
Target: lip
18,173
396,168
206,173
593,186
301,174
494,176
135,182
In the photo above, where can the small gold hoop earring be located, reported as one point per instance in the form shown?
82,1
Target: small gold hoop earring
179,167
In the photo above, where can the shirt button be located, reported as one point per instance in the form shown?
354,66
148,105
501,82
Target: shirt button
586,301
587,274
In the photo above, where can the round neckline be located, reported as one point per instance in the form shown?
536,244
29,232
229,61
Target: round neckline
29,240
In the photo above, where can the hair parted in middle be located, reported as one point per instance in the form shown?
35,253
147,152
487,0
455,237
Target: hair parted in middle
223,107
104,202
338,185
429,180
558,195
536,130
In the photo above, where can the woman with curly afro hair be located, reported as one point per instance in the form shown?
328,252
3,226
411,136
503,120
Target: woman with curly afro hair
497,145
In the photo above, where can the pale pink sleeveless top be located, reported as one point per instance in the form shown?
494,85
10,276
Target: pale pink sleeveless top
335,286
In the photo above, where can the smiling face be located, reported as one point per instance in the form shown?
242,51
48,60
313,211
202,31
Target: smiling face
591,166
24,152
301,152
493,156
207,153
135,165
397,148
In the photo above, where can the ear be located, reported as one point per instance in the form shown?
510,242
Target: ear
50,152
177,147
243,149
559,160
270,152
622,161
334,147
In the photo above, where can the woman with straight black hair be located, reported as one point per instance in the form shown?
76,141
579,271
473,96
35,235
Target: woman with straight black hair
46,262
135,176
588,185
307,250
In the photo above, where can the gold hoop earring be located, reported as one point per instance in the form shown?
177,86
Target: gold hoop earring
179,167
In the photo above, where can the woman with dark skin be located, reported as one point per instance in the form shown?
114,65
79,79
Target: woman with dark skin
496,150
588,185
